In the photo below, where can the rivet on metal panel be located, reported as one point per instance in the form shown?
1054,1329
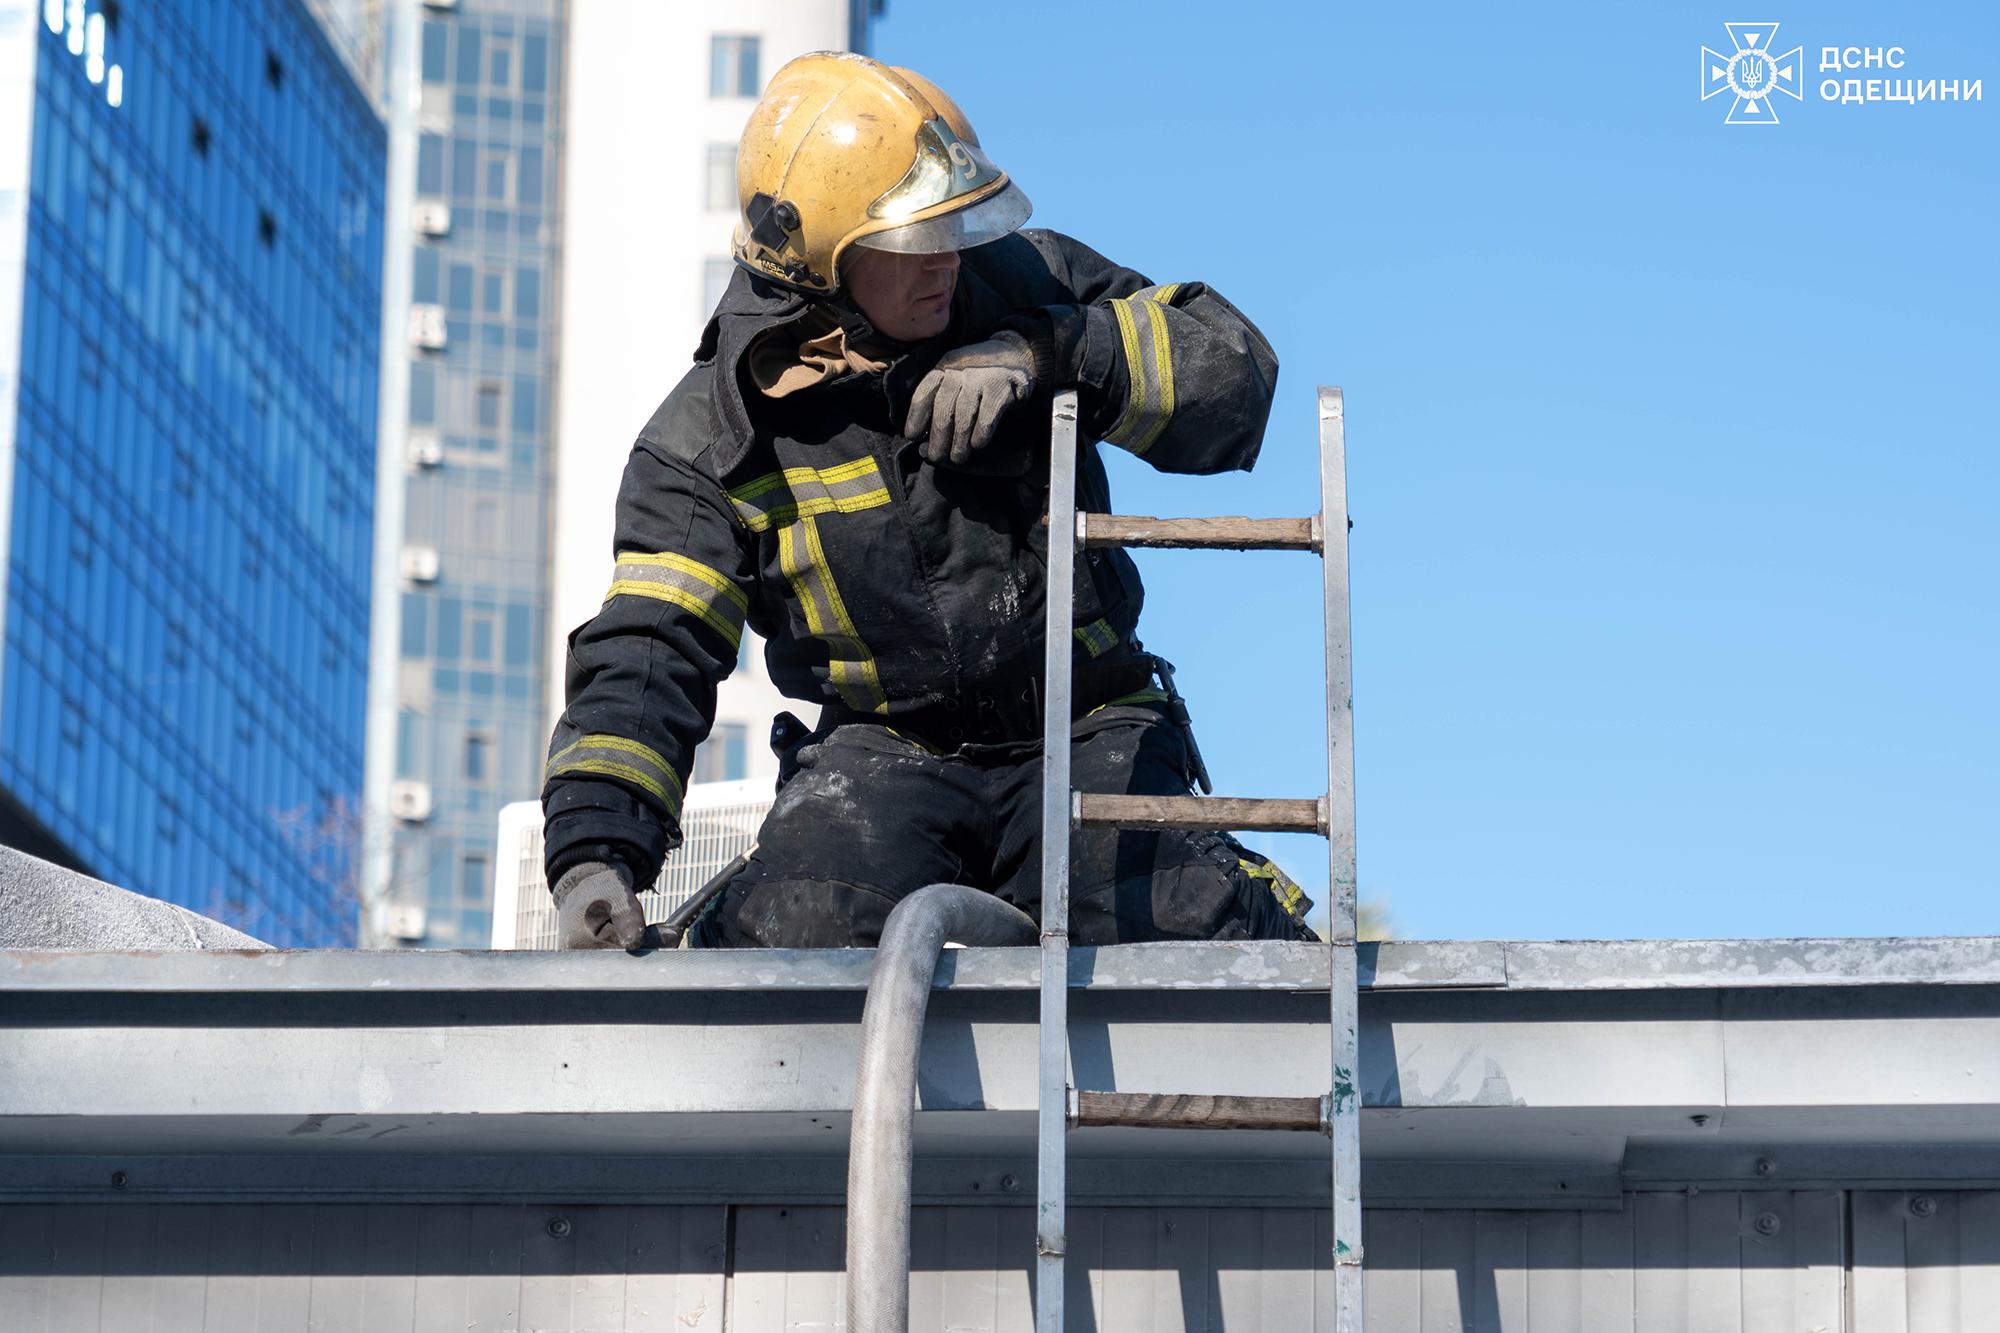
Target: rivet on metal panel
1924,1206
1010,1185
1699,1120
118,1180
1768,1224
1767,1166
559,1227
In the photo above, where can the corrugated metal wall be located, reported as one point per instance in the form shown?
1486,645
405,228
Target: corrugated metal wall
1749,1262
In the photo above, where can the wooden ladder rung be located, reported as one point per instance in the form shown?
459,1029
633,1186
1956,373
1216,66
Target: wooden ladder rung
1230,813
1229,534
1167,1110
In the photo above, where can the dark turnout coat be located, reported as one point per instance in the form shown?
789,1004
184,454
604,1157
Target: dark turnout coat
884,586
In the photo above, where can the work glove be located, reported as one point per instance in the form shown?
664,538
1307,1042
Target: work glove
958,406
596,908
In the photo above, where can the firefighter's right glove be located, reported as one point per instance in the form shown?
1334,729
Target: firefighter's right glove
958,406
596,908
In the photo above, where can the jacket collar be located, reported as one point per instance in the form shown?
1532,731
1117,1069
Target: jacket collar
752,307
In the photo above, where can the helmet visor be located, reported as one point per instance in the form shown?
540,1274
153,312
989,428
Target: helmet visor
988,220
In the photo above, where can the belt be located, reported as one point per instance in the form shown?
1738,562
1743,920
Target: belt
997,715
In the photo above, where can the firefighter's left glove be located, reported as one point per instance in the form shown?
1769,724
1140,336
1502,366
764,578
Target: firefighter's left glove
958,406
596,908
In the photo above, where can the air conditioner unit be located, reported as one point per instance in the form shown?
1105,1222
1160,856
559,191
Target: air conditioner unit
424,449
432,217
410,801
420,564
427,327
404,921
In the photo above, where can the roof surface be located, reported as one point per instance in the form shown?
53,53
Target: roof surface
1488,1070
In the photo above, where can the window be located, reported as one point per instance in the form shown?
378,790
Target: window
481,622
528,177
485,532
526,421
267,228
430,164
200,137
468,56
415,623
534,64
724,756
406,742
425,276
720,195
500,63
474,877
423,394
434,35
274,69
732,66
528,294
715,275
520,638
498,169
488,414
478,756
464,168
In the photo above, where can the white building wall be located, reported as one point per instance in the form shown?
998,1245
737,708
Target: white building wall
640,236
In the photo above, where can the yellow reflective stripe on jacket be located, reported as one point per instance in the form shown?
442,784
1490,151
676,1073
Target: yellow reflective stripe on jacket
694,587
849,663
1097,638
779,498
618,757
1127,700
1149,366
1290,896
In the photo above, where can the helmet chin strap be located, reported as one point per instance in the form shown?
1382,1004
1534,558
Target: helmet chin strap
859,327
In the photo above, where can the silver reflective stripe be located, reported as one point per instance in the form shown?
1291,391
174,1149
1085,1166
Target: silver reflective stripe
620,757
1149,365
665,576
1097,638
781,498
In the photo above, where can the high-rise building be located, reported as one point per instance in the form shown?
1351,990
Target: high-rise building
554,171
659,95
190,290
474,93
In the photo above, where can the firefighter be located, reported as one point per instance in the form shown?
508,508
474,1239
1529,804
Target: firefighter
856,468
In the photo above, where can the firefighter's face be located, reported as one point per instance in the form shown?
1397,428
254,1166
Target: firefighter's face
907,297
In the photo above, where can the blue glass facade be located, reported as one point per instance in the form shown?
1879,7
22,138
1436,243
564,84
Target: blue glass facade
470,693
193,456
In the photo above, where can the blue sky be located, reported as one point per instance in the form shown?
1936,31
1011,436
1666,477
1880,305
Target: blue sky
1673,445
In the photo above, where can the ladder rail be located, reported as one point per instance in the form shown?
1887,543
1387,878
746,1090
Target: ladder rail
1052,1111
1343,995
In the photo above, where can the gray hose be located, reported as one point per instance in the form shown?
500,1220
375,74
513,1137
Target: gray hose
885,1088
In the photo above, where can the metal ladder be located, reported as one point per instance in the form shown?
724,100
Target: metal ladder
1331,816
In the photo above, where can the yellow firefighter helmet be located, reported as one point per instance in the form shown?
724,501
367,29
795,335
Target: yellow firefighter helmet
843,150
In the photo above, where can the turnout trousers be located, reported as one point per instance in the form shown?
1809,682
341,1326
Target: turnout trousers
866,815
